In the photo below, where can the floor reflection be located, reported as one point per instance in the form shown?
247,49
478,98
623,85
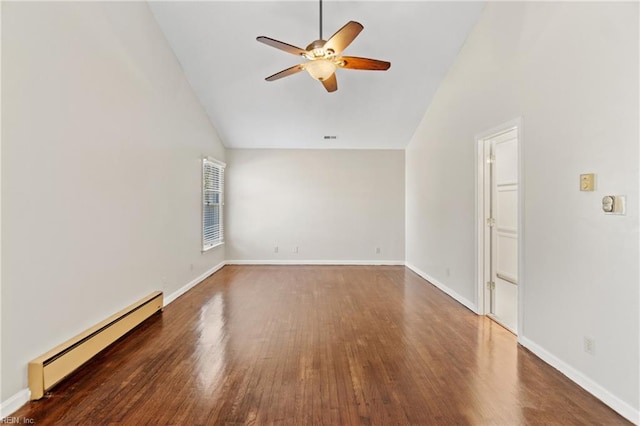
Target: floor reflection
211,348
494,384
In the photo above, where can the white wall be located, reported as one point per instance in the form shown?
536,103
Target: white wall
334,205
101,144
571,71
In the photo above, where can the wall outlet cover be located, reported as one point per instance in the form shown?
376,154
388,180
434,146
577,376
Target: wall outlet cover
587,182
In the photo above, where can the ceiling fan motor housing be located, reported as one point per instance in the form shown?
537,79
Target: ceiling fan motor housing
316,50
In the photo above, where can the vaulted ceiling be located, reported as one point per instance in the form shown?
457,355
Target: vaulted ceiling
216,45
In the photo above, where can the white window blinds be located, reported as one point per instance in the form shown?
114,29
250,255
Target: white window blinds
212,203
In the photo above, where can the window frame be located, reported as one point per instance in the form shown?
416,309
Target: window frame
205,245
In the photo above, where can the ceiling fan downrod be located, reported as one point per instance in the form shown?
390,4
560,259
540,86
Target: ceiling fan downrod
320,20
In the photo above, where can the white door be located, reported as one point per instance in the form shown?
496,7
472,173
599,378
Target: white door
503,229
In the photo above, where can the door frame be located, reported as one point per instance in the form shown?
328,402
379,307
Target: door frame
482,239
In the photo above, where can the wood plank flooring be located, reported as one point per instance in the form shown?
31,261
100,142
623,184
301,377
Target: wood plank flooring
313,345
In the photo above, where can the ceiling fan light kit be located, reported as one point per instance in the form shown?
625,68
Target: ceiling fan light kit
320,69
323,56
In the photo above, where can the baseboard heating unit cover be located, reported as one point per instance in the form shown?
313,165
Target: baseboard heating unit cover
53,366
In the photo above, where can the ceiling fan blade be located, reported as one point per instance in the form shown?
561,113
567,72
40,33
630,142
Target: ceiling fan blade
354,63
284,73
331,83
281,45
343,37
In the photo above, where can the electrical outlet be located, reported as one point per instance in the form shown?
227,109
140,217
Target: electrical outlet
191,267
295,249
378,251
275,249
448,271
589,345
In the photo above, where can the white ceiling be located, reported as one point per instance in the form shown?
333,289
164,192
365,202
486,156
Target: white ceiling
216,44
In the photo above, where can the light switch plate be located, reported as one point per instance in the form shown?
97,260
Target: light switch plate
587,182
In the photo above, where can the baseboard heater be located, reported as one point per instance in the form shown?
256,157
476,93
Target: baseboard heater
53,366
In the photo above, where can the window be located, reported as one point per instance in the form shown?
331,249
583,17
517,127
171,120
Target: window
212,203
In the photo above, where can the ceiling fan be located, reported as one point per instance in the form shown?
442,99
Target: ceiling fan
324,56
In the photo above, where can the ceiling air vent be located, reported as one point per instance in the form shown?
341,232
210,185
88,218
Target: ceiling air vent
328,137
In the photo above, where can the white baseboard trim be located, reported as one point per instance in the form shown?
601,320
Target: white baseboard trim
173,296
618,405
315,262
467,303
12,404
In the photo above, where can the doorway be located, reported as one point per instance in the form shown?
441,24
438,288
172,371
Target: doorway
499,230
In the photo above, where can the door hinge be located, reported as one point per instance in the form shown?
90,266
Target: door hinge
491,285
491,159
491,221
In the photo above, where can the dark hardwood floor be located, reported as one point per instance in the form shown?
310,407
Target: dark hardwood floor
311,345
